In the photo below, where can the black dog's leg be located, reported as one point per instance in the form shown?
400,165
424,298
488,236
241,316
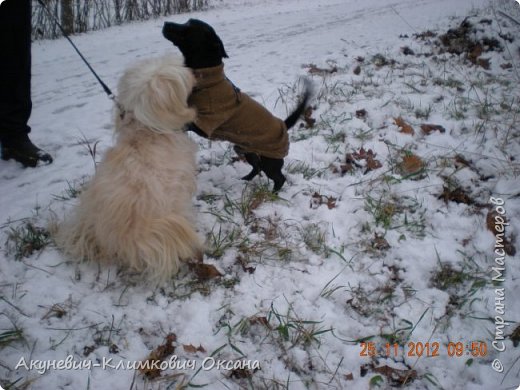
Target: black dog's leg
255,161
273,169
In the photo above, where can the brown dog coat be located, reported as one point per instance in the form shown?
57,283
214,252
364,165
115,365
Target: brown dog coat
225,113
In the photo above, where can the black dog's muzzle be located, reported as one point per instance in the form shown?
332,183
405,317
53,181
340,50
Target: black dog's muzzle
174,31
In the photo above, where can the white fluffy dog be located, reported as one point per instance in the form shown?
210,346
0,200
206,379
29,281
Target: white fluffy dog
137,209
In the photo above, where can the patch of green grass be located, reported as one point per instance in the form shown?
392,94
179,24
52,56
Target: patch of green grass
462,282
252,197
25,239
458,108
448,277
72,191
305,169
423,112
382,211
289,328
315,238
449,82
330,288
405,214
10,336
363,135
220,239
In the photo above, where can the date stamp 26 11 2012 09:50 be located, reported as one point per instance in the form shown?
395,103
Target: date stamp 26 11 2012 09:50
473,349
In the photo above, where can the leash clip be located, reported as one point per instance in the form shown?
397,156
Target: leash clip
121,109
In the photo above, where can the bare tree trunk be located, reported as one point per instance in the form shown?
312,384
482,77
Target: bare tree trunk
117,7
168,7
67,16
184,5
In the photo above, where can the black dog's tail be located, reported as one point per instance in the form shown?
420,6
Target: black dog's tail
291,120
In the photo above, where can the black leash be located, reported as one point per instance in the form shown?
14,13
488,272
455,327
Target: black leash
105,87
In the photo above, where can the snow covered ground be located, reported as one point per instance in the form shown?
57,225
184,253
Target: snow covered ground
373,268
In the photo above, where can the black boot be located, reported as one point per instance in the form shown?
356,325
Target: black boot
24,151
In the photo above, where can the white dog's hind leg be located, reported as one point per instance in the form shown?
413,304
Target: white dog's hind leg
163,244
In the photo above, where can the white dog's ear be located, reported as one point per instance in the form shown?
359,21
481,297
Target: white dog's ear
164,105
156,92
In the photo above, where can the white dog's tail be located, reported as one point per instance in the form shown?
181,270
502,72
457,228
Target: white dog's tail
161,246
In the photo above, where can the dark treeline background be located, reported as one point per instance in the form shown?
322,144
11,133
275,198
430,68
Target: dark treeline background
77,16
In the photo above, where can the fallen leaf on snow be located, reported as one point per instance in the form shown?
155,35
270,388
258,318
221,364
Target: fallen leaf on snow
411,164
379,243
493,227
307,117
192,349
457,195
405,127
205,271
158,355
313,69
318,199
260,321
428,128
361,114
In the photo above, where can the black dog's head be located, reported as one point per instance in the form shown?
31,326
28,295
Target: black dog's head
197,41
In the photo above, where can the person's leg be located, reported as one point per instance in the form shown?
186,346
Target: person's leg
15,84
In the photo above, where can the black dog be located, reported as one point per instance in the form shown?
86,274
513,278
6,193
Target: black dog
224,112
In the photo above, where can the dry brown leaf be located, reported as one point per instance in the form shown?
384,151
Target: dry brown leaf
460,160
318,199
491,224
313,69
407,51
474,54
245,265
372,164
259,321
350,159
192,349
490,221
307,117
361,114
405,127
344,168
484,63
396,375
509,248
411,164
429,128
457,195
205,271
379,243
88,349
362,154
242,373
157,355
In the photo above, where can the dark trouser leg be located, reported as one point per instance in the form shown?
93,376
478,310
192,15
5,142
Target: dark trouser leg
15,84
15,67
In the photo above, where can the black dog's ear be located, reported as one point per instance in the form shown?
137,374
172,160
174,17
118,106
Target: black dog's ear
221,49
